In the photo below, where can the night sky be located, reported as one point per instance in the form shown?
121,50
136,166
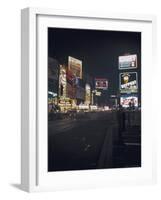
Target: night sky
98,50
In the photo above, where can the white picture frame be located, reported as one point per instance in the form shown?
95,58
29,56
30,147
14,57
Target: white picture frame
33,103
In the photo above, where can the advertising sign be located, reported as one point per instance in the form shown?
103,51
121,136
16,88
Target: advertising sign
64,102
129,101
70,87
87,94
70,91
75,66
101,83
128,82
98,93
62,81
127,62
71,79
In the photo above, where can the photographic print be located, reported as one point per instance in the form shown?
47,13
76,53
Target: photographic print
94,99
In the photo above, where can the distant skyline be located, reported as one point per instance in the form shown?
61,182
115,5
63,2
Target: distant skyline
98,50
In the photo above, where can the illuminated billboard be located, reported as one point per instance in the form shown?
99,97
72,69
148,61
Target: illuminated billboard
101,83
98,93
127,62
71,79
128,82
70,91
129,101
62,81
87,94
75,66
70,87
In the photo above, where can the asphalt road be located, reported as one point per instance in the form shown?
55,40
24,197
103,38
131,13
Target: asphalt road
92,141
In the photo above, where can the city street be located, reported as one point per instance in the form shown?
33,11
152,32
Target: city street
94,99
93,141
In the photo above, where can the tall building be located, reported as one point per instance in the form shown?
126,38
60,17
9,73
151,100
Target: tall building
53,81
53,75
